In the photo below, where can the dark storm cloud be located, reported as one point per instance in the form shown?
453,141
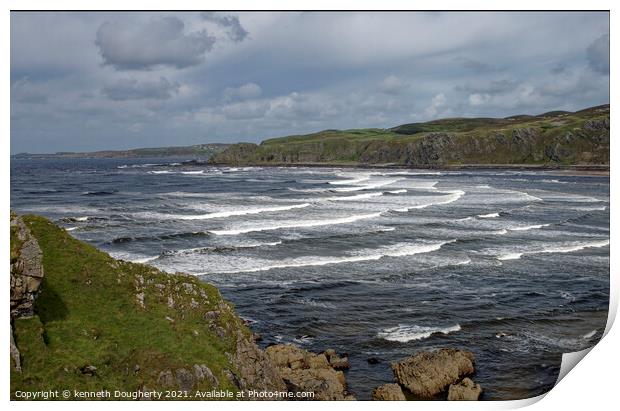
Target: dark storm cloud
231,24
157,42
598,54
131,89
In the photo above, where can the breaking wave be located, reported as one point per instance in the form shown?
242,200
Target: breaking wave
406,333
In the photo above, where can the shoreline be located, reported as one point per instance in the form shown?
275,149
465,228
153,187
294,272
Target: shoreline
577,169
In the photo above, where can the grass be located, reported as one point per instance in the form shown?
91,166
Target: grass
559,138
88,314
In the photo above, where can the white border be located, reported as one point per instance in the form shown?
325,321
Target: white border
592,384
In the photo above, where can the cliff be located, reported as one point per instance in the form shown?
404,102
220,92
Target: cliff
555,139
94,323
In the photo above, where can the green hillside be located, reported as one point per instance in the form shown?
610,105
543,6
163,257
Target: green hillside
553,138
104,324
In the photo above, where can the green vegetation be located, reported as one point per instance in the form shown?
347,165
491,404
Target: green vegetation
553,138
130,321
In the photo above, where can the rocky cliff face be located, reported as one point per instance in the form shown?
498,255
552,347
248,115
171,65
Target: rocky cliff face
559,138
26,269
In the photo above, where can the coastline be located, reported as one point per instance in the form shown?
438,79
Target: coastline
574,169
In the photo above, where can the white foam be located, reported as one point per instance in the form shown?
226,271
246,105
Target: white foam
501,232
492,215
193,172
397,191
369,186
230,213
160,172
396,250
297,224
355,197
567,248
450,198
589,335
70,228
406,333
352,181
529,227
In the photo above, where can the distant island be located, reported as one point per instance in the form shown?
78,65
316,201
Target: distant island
198,150
555,139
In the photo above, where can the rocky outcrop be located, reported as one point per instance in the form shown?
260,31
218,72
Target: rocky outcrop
303,371
26,269
388,392
256,369
428,373
466,390
335,361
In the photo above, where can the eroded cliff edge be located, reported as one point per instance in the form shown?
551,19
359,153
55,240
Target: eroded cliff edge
81,320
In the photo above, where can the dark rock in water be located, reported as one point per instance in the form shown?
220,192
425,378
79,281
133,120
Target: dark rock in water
306,371
388,392
373,360
466,390
431,372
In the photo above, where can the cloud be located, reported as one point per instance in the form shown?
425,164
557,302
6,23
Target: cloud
231,24
437,102
392,85
132,89
598,54
490,87
243,92
157,42
473,65
24,91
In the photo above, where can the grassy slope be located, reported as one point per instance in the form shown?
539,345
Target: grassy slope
88,315
471,137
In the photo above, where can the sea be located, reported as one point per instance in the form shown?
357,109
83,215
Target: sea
376,263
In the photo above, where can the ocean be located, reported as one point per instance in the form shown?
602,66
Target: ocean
376,263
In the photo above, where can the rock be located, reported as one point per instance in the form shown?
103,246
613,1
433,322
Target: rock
373,360
466,390
15,355
255,369
166,378
89,370
185,379
431,372
202,372
140,300
335,361
306,371
26,270
388,392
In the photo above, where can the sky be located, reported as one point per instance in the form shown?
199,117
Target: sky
96,81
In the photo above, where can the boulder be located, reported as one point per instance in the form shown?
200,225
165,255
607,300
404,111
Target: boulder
185,379
306,371
466,390
26,270
388,392
431,372
336,362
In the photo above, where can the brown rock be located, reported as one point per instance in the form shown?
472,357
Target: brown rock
202,372
466,390
429,373
388,392
306,371
336,362
166,378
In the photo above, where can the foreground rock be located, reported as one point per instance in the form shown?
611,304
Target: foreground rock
26,269
466,390
388,392
303,371
429,373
